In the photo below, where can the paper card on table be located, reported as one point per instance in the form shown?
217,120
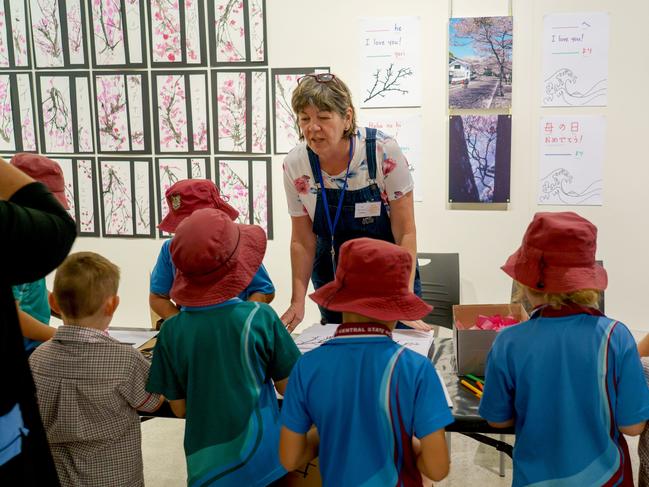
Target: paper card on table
132,337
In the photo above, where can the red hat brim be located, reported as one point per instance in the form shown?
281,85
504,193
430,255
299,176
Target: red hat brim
172,219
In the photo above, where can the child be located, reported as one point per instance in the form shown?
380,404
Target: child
183,198
379,408
569,379
31,297
215,359
89,385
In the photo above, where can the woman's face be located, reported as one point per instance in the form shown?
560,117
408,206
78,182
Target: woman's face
322,130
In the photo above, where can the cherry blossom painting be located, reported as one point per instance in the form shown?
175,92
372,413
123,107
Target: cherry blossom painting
117,33
247,183
81,192
171,170
177,33
126,198
14,43
241,112
285,130
17,123
59,33
65,113
237,32
121,107
181,112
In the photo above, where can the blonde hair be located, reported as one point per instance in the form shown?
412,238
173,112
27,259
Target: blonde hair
83,283
582,297
330,96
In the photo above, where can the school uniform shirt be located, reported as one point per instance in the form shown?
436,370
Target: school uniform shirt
89,387
569,378
367,396
32,299
643,442
392,176
222,359
162,276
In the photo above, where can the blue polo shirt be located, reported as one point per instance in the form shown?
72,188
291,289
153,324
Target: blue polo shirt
367,396
569,378
32,299
162,276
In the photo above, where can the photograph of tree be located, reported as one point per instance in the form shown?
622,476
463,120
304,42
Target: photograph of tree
65,114
118,33
247,183
17,123
121,110
479,158
177,33
480,62
237,32
285,130
126,197
14,43
81,192
241,113
59,33
181,112
171,170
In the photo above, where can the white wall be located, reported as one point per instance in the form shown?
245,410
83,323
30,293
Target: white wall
316,33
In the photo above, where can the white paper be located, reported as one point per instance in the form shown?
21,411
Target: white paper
571,165
446,394
390,49
132,337
406,130
575,59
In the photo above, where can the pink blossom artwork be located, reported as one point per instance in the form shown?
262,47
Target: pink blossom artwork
16,85
172,113
76,41
7,136
13,35
168,45
4,46
84,115
257,23
259,108
58,125
231,111
86,197
138,108
199,116
50,48
117,32
260,181
237,31
67,167
234,182
26,105
143,197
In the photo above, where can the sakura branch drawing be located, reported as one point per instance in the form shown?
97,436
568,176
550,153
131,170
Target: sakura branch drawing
26,103
47,32
117,199
232,111
143,198
56,115
259,109
387,81
257,22
111,113
86,199
4,47
235,185
6,115
75,32
230,32
165,30
18,34
107,30
260,202
172,113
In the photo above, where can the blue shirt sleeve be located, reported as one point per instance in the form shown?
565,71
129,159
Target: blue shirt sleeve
431,409
260,283
18,291
162,276
632,392
497,403
295,415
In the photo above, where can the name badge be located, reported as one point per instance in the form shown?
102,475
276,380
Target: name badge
363,210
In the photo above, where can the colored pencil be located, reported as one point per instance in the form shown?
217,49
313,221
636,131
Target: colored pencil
471,388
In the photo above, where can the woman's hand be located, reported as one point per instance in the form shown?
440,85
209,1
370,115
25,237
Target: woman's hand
417,325
293,316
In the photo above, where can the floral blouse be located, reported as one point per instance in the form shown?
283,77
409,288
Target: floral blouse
392,174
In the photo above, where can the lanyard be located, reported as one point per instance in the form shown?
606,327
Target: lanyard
332,225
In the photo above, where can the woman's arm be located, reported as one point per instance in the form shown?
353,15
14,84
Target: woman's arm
402,221
11,180
303,242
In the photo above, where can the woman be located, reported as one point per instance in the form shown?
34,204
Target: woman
367,189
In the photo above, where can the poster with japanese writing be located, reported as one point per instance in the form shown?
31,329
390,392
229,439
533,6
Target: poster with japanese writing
286,133
241,113
237,32
59,33
406,130
122,112
17,122
180,112
479,158
64,110
571,166
171,170
117,33
575,59
247,183
81,192
127,201
480,62
177,33
390,64
14,41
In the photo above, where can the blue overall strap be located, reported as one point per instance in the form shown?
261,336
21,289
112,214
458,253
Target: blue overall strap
370,152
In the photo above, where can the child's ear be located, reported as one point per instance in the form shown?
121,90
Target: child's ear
110,306
54,305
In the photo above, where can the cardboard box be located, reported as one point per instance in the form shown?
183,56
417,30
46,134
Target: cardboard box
472,346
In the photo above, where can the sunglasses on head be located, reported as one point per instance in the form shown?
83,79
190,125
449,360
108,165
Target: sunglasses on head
319,77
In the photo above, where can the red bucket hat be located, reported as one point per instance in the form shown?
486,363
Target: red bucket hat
372,279
189,195
558,255
215,258
43,170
